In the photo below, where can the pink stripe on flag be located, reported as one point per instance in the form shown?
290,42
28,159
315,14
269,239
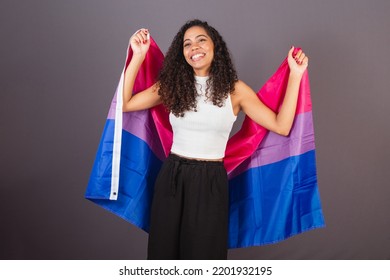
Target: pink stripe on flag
275,147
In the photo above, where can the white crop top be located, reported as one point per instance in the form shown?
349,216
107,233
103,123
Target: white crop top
203,134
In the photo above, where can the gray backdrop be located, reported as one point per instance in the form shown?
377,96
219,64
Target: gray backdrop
60,62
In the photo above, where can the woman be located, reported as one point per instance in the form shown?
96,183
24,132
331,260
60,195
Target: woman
198,85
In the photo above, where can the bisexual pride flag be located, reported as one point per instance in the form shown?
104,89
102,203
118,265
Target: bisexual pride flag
272,179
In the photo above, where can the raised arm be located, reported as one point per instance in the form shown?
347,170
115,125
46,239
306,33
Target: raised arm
245,99
148,98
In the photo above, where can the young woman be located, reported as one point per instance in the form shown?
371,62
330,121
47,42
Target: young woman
198,84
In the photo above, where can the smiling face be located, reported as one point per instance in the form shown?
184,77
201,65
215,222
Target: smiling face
198,50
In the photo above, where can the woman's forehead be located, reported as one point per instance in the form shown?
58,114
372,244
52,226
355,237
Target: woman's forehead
194,32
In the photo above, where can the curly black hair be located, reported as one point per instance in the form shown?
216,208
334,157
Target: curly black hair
176,79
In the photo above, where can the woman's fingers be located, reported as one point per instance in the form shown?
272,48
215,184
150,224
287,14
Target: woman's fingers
300,57
141,36
298,62
140,41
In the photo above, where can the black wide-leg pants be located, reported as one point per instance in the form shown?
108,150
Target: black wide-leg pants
189,215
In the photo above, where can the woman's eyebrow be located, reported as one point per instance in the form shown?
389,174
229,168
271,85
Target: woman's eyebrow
195,37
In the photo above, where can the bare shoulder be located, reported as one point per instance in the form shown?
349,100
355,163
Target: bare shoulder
242,94
241,87
242,90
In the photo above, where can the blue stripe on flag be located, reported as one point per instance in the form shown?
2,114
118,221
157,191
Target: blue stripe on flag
138,171
255,218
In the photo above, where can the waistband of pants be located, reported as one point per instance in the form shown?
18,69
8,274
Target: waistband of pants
182,160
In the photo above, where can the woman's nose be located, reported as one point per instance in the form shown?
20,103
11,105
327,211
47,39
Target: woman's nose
195,46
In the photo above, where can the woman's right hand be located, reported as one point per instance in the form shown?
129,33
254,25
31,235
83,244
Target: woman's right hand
140,42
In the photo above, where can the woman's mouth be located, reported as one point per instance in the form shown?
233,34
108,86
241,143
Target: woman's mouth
197,57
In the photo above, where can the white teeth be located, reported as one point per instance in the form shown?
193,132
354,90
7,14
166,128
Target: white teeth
197,56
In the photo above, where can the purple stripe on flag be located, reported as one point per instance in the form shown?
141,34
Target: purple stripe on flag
275,147
141,125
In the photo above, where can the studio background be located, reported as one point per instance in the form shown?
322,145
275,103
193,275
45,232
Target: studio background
60,62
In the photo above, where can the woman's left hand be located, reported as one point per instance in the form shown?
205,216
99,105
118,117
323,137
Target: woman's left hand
297,63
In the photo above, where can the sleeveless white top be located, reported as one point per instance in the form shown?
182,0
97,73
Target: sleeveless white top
204,133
